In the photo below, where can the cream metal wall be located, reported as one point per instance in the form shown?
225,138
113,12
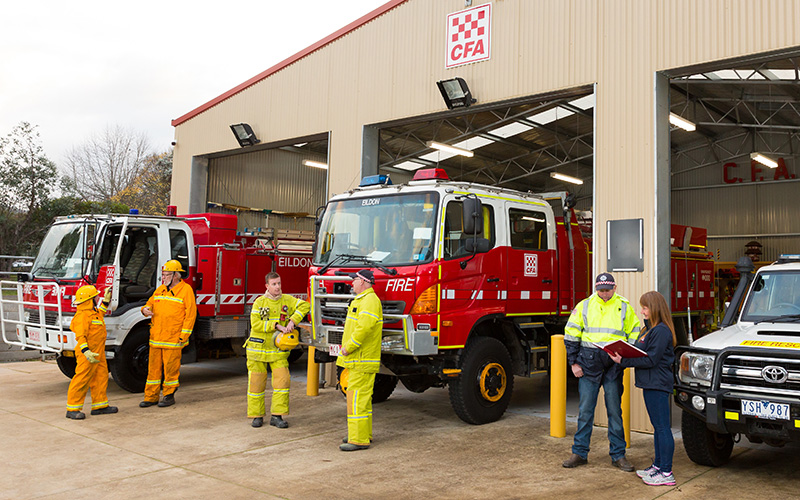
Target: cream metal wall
387,69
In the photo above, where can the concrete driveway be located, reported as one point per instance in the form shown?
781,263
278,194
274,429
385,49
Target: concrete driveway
204,447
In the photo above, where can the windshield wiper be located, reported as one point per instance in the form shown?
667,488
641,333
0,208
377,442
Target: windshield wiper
346,258
780,319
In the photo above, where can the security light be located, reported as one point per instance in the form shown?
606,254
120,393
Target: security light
456,93
244,134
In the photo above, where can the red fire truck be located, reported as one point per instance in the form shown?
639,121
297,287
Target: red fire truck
473,280
125,252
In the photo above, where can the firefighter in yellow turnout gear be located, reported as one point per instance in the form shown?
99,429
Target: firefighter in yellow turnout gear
361,357
273,314
91,372
172,310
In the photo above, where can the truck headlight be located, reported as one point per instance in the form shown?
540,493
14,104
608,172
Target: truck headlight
393,343
696,368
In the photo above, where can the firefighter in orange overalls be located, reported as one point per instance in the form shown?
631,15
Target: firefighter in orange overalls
173,311
91,372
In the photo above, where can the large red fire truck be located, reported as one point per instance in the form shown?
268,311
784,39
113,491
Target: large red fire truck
226,269
473,280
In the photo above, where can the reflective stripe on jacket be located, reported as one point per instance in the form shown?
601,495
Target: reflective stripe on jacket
595,321
363,332
174,313
260,345
89,327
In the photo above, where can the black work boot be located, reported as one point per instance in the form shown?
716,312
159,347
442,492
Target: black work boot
146,404
278,422
106,410
168,400
258,422
76,415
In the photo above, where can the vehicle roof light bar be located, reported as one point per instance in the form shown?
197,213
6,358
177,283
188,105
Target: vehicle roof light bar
430,173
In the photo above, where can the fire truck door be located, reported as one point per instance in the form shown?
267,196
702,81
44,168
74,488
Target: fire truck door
532,272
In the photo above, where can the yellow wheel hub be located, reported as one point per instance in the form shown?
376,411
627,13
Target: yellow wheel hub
492,381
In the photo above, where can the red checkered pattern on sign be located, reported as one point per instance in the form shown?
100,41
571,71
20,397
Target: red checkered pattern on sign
468,25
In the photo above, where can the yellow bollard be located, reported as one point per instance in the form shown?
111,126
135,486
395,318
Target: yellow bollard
626,405
312,375
558,387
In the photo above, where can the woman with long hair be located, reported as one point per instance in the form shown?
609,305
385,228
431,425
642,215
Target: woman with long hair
654,377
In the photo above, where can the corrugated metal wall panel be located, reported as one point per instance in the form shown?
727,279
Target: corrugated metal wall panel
273,179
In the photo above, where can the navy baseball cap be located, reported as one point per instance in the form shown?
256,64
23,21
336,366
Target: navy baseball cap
364,274
604,281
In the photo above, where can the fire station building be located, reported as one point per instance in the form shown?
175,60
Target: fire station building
651,113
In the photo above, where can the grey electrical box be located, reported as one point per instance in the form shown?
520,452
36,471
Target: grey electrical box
625,240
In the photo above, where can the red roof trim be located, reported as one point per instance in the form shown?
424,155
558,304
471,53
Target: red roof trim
291,60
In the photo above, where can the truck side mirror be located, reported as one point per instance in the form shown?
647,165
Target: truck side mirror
472,213
477,245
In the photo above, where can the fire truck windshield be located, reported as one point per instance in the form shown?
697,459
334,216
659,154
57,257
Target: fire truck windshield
391,230
63,253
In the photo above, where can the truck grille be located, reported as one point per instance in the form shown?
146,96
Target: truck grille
744,373
337,311
50,317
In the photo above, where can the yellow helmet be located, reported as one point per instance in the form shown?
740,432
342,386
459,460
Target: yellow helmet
286,341
84,293
344,375
172,266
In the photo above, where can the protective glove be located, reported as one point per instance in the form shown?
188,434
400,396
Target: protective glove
107,296
93,357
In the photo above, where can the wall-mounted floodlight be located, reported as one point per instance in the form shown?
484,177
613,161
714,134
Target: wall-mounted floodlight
456,93
315,164
566,178
450,149
681,122
764,160
244,134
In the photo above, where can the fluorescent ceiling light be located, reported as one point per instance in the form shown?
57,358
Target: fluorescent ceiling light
764,160
566,178
682,123
450,149
315,164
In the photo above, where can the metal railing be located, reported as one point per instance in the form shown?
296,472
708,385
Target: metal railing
31,334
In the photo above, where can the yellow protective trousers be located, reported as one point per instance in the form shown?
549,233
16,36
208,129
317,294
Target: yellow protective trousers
166,363
87,377
257,384
359,407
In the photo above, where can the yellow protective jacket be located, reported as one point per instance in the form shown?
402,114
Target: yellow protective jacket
363,333
596,322
174,312
261,345
89,327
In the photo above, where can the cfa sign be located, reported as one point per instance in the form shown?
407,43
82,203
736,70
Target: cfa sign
469,36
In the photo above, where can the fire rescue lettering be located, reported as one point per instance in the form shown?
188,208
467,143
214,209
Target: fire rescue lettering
400,285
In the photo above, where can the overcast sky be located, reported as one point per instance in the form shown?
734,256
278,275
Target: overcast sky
72,68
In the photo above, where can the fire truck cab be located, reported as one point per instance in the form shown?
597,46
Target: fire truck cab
473,280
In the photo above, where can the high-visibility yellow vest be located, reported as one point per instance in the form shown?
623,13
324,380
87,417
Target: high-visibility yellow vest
595,321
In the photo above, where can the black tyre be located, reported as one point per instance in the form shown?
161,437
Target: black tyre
383,388
67,365
482,393
702,445
129,368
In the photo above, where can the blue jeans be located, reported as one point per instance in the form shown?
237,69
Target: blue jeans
588,391
657,403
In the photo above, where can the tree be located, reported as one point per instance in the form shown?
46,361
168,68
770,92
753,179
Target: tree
106,164
150,190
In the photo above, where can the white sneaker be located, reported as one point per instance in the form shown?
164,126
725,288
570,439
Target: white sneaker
647,472
660,479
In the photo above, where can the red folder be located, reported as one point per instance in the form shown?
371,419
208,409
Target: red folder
622,348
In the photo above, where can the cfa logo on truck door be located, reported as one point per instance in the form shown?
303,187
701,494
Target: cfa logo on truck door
531,264
469,36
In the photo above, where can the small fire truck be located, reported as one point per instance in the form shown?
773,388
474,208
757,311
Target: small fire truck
473,279
226,269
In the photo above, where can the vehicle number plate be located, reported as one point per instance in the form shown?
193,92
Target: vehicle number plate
765,409
33,335
335,349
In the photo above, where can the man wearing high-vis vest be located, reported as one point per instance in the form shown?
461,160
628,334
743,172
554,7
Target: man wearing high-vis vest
361,359
172,310
599,319
274,314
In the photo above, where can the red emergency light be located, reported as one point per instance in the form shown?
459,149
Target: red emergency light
430,173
